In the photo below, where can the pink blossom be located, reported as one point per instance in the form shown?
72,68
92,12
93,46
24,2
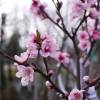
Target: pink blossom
32,50
82,36
35,6
26,74
35,3
76,94
38,8
84,45
93,13
22,58
96,35
91,2
62,57
49,47
32,38
78,9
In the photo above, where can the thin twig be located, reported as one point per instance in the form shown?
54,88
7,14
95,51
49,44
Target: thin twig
46,65
36,69
93,83
89,53
81,22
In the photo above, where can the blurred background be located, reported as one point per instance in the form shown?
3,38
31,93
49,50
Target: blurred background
16,21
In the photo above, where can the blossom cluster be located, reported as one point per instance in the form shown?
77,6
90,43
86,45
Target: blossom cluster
39,45
79,7
86,37
45,45
76,94
37,8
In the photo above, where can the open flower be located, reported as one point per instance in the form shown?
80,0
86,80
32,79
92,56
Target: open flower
22,58
90,2
76,94
49,47
96,35
26,74
62,57
84,45
82,36
78,9
38,8
32,50
32,38
93,13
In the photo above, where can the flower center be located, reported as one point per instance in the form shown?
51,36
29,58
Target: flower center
77,95
47,49
83,36
61,57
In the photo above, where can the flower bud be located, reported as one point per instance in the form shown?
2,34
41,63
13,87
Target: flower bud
50,73
48,85
86,79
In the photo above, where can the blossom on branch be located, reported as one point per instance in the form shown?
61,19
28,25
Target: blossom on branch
32,50
96,35
48,85
82,36
38,8
22,58
62,57
76,94
49,47
79,7
26,74
84,45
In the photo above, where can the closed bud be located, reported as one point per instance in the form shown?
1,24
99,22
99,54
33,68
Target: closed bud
48,85
50,73
86,79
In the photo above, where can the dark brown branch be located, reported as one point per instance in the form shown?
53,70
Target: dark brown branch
89,53
77,64
46,65
9,57
81,22
93,83
48,79
36,69
62,28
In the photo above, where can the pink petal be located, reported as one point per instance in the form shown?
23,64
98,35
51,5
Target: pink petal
25,81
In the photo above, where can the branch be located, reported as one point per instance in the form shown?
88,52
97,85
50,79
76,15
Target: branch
48,78
10,58
93,83
81,22
62,28
46,65
77,63
89,53
36,69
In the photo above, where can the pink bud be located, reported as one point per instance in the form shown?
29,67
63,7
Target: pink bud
51,72
86,78
48,85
